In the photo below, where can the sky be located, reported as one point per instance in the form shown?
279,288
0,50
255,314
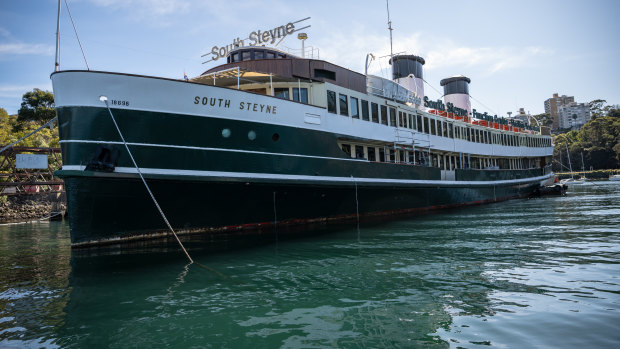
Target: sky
516,53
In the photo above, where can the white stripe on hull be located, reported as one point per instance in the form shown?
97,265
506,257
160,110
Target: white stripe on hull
305,178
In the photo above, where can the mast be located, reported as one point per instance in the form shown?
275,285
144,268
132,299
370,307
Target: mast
57,62
570,167
387,3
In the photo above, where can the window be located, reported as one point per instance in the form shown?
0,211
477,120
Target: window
304,95
381,155
401,119
235,57
281,92
392,117
270,55
259,54
419,123
375,112
322,73
440,129
246,55
433,129
365,110
371,154
359,152
384,116
331,101
344,105
412,121
354,111
346,148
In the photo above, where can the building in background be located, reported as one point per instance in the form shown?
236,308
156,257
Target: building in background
551,107
573,115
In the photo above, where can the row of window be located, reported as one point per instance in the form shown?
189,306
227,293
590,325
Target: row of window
285,93
350,106
254,54
425,158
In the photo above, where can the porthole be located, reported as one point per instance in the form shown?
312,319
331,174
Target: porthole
226,133
251,135
275,137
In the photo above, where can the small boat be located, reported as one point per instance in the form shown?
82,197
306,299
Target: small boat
615,177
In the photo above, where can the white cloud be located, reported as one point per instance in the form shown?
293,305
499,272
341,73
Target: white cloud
4,33
17,91
26,49
439,54
143,9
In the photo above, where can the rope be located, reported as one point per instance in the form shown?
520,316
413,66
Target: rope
33,221
76,35
28,135
105,100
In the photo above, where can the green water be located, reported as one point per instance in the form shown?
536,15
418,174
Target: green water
537,273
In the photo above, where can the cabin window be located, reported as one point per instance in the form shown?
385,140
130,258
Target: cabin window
281,92
401,122
450,130
354,108
364,110
259,54
419,123
331,101
235,57
359,152
381,154
412,121
344,105
322,73
384,115
433,127
304,95
246,55
375,112
346,148
372,156
270,55
392,117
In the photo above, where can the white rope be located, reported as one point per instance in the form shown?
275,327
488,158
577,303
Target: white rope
105,100
33,221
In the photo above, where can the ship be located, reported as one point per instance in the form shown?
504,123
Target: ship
271,138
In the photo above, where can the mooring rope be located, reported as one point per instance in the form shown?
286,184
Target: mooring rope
32,221
105,100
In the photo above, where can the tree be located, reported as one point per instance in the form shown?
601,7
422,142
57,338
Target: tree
37,105
544,119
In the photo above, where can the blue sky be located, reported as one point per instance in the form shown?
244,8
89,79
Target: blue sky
517,53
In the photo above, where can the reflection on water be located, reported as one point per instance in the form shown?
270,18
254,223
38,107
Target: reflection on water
526,273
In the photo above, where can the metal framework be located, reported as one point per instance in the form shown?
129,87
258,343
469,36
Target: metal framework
14,181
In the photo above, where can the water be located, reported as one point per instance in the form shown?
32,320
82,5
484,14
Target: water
538,273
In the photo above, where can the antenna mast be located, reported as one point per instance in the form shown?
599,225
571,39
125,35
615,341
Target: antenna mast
387,3
57,63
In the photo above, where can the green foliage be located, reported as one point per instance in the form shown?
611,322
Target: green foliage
544,119
37,105
598,141
12,129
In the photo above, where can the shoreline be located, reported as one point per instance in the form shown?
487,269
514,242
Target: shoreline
25,208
